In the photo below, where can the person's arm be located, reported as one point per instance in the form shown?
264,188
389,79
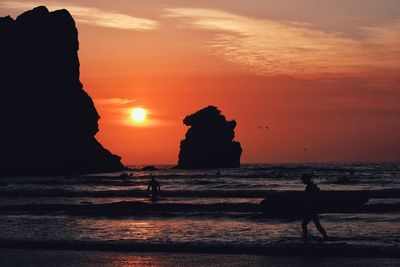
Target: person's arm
148,188
158,187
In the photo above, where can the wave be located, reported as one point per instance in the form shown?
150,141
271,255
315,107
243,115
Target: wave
127,208
290,248
383,193
137,193
246,182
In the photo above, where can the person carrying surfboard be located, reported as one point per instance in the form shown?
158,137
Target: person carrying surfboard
155,189
310,211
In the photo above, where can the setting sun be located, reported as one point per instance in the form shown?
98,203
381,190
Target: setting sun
138,115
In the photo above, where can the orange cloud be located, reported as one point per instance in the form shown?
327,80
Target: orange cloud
118,111
270,47
114,101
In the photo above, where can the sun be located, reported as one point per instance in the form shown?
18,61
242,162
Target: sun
138,115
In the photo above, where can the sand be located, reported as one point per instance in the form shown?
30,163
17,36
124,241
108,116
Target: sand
21,257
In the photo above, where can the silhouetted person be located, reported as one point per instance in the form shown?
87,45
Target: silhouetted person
310,212
155,189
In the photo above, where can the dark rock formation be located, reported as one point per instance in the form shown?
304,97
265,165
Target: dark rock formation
209,141
149,168
48,122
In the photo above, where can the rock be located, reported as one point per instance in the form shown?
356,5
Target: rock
48,122
126,175
209,141
175,167
149,168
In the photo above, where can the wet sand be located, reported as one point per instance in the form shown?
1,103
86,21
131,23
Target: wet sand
21,257
312,249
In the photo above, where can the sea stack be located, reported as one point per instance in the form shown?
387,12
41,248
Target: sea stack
209,141
48,122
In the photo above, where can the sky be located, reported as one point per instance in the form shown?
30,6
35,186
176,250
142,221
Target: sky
306,80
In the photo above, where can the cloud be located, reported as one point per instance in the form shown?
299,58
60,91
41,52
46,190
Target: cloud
270,47
114,101
115,106
114,110
89,15
117,111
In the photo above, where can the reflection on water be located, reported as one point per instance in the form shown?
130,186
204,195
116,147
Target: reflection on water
342,228
121,259
220,228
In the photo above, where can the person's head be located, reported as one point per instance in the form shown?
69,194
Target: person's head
306,178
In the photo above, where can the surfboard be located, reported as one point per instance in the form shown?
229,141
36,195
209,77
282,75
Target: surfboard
298,203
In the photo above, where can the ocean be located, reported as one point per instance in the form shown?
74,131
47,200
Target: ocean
199,210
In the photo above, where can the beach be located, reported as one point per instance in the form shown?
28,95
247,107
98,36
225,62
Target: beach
200,133
18,257
203,217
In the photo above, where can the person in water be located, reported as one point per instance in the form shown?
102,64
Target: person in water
310,211
155,188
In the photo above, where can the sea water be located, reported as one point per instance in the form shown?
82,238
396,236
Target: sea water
28,213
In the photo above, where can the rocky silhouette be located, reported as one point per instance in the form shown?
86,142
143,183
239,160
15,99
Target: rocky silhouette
209,141
48,122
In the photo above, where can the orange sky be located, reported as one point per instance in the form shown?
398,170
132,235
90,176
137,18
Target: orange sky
321,76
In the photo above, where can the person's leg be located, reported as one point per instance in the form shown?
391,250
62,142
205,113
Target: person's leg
304,224
319,226
156,193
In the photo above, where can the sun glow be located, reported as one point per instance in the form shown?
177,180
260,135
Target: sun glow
138,115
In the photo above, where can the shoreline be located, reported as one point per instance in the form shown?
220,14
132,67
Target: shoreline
17,257
296,249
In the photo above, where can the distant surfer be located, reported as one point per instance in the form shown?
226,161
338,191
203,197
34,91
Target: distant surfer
154,186
310,211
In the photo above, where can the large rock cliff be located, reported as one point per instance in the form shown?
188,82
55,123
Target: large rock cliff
209,141
48,122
